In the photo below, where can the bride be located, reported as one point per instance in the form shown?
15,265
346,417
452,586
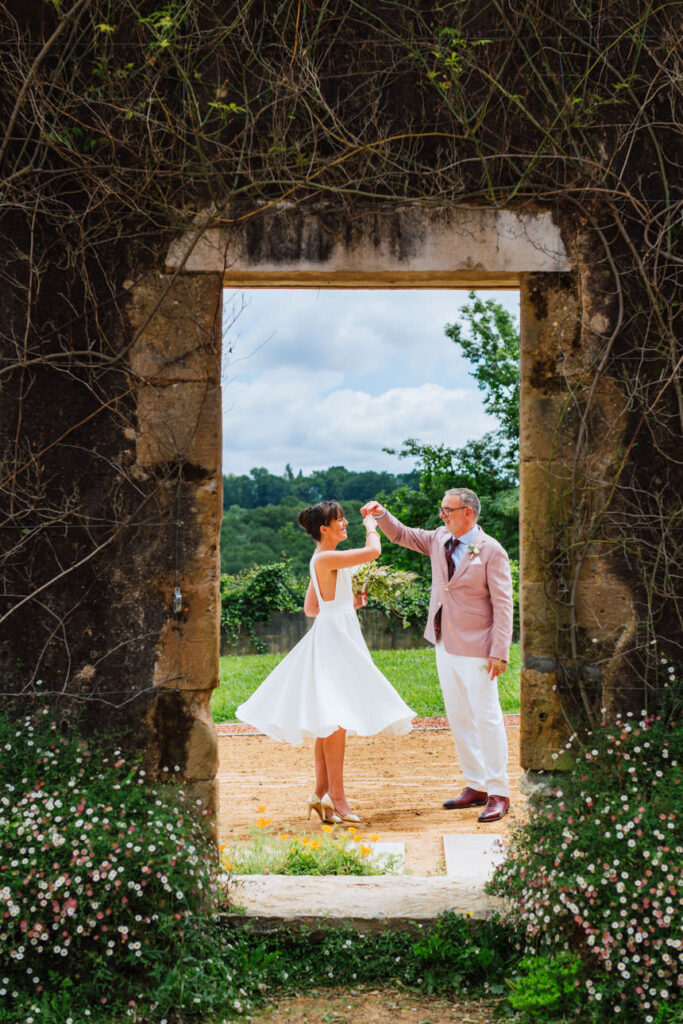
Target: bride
328,687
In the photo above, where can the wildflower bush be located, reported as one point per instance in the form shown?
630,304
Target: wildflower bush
109,890
333,851
595,873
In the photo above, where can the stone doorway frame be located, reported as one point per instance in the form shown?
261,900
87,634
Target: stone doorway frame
176,358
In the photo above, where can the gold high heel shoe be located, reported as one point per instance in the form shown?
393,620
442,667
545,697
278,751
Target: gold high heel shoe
314,803
337,817
329,815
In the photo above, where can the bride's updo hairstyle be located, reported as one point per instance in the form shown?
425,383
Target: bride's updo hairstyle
319,515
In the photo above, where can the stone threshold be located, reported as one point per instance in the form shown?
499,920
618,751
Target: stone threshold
365,903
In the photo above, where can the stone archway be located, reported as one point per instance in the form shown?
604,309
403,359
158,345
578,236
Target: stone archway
177,360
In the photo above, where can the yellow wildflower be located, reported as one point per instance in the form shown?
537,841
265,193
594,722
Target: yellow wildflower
315,843
284,837
327,828
351,830
357,839
262,822
374,838
365,850
228,864
306,840
261,809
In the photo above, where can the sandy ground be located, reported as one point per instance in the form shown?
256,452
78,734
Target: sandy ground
396,783
377,1006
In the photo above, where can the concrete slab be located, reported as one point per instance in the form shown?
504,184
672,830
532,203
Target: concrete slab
387,898
387,856
471,857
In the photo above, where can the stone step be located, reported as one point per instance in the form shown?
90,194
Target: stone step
278,900
471,857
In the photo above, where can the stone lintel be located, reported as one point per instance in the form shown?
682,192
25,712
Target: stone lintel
280,246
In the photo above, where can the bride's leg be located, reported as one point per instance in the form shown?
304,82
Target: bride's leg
321,780
334,747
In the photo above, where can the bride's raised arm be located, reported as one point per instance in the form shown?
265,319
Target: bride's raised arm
356,556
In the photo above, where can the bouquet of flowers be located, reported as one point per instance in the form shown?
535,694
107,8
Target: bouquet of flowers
381,583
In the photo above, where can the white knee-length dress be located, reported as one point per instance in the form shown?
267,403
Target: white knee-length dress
328,680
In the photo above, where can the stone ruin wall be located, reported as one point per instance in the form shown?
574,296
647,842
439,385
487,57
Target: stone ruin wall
176,362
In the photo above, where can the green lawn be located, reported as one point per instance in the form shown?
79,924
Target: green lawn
413,673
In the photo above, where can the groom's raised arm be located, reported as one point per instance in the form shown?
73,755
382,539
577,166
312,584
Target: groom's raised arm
394,530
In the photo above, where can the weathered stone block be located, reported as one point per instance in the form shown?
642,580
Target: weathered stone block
538,620
547,427
201,749
543,488
189,645
179,325
604,605
543,729
180,422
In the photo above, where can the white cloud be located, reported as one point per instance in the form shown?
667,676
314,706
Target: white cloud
311,430
320,378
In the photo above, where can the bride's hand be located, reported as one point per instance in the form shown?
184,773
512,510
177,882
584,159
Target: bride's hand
360,600
369,522
371,508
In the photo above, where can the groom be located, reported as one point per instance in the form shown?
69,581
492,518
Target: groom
470,624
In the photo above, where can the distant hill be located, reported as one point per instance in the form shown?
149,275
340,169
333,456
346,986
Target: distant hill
259,511
261,487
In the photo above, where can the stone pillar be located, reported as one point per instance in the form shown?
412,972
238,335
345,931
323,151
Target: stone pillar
176,364
547,321
577,613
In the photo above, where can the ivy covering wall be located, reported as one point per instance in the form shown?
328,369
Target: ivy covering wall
123,124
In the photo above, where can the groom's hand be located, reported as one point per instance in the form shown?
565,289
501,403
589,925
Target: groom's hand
496,667
372,508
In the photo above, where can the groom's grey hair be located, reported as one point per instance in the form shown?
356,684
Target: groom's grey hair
466,497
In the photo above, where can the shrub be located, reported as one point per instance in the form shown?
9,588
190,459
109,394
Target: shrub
253,595
596,872
108,886
454,955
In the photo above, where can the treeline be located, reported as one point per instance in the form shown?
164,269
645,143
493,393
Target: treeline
260,487
262,536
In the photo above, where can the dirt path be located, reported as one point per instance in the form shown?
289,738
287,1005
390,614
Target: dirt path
376,1006
396,783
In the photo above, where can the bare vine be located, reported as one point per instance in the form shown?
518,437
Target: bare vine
126,120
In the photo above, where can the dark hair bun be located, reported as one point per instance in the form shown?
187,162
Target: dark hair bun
319,515
304,519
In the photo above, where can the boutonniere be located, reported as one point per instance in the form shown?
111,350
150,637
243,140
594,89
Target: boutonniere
473,550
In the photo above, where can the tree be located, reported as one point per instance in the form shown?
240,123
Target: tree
492,345
489,465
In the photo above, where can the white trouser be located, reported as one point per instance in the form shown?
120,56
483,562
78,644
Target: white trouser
476,720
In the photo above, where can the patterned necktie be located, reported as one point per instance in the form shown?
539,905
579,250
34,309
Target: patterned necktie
450,569
450,548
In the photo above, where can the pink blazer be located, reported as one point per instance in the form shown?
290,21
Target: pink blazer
476,603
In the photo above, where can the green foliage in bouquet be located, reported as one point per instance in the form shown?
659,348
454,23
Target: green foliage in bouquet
394,591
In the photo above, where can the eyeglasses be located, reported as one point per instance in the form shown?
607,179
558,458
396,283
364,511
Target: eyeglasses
443,511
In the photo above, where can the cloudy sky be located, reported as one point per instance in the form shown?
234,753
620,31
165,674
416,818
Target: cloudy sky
319,378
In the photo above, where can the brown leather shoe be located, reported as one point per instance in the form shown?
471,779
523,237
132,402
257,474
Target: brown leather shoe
468,798
496,807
